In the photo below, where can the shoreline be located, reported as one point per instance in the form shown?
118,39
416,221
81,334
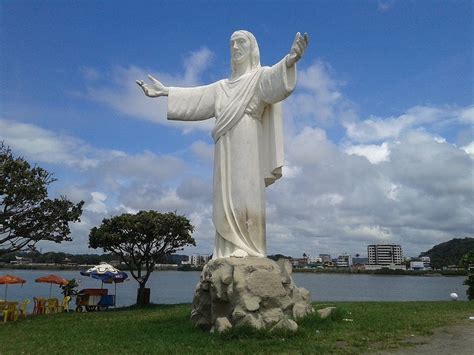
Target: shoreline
171,267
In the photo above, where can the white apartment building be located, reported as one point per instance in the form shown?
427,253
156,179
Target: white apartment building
426,262
344,261
197,260
384,254
314,260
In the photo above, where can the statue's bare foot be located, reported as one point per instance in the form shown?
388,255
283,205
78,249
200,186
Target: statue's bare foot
239,253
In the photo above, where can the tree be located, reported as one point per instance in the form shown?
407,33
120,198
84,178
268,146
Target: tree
27,215
140,240
467,261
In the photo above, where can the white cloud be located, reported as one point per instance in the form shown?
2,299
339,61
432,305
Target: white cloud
414,189
374,153
376,129
318,100
469,149
97,204
392,179
203,151
50,147
121,93
467,115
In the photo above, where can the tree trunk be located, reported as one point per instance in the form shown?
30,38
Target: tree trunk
143,295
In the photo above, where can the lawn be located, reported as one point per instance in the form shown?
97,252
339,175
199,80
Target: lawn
357,327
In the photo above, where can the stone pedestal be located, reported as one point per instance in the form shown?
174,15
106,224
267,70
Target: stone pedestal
256,292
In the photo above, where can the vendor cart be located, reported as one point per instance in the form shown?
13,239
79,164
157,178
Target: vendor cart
94,299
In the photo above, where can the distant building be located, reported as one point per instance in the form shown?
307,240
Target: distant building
423,263
387,266
325,257
314,260
417,265
197,260
344,261
426,262
329,264
384,254
19,260
299,262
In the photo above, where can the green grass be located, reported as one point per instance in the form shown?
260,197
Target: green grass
167,329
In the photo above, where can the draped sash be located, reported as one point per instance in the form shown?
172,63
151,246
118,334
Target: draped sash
234,111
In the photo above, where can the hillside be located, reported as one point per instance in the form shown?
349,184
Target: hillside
449,253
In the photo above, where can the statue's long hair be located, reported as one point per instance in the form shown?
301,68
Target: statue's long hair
254,50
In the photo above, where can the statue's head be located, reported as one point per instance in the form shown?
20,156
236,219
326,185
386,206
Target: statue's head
243,48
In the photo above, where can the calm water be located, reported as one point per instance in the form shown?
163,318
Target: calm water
178,287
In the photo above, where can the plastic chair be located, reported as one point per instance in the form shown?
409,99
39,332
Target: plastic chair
52,305
3,307
9,312
39,305
24,308
65,306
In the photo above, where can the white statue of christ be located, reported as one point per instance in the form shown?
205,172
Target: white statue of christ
248,137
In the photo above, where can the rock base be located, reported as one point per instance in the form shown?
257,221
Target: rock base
250,291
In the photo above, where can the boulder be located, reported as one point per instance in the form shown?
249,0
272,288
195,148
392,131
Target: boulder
250,291
325,312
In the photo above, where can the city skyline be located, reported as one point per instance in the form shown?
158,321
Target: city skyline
378,134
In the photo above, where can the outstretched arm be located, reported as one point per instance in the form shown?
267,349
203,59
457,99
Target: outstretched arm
155,89
297,49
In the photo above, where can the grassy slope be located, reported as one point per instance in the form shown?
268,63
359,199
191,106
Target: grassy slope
167,329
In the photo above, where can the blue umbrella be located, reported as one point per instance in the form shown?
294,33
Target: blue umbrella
106,273
107,277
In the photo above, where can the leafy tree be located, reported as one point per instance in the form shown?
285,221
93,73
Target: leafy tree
27,216
467,261
142,239
69,289
277,257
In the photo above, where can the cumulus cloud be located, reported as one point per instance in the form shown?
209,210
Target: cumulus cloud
203,151
469,149
318,100
395,179
374,153
466,115
121,93
97,204
376,129
338,202
47,146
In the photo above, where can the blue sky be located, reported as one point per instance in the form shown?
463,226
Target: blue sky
379,138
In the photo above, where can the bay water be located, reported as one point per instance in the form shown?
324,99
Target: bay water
172,287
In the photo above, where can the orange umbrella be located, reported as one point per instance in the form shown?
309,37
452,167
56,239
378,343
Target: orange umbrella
52,279
9,280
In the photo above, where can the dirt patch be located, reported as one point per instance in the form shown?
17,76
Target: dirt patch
457,339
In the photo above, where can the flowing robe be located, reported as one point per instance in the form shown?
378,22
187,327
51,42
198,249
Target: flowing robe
248,154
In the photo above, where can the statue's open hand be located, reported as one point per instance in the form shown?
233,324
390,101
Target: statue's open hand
155,89
297,49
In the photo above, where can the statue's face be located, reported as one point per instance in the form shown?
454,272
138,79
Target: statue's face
239,48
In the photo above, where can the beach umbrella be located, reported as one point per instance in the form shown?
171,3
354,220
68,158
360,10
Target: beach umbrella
106,273
52,279
10,280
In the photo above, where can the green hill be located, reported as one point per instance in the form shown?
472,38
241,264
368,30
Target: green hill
449,253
